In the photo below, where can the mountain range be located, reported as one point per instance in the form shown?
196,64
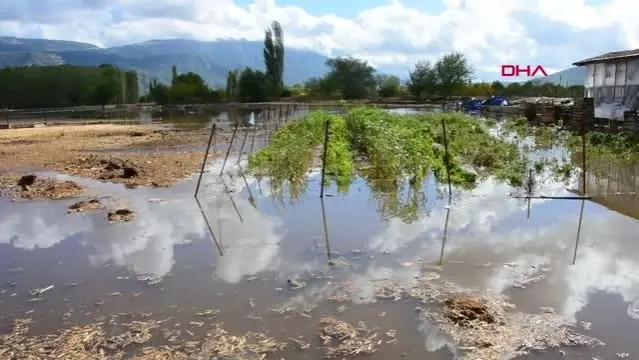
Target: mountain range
571,76
211,59
154,58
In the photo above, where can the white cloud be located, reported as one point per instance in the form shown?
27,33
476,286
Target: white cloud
490,32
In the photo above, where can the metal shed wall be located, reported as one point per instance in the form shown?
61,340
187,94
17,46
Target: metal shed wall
614,86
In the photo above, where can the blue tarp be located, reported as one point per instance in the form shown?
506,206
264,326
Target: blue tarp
477,104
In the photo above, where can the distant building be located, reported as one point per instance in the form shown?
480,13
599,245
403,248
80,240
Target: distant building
612,80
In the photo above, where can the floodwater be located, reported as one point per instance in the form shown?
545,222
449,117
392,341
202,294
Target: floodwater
167,265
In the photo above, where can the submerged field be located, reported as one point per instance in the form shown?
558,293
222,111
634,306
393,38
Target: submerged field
385,266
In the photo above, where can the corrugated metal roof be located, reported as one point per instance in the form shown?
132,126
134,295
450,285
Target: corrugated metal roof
609,56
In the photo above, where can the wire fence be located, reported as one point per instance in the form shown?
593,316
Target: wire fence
251,133
246,135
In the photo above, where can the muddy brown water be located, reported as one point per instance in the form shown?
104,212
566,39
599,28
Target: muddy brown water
166,264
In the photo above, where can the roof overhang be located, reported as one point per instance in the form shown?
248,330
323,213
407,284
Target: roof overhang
609,57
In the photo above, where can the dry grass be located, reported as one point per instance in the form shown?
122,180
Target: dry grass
73,150
151,169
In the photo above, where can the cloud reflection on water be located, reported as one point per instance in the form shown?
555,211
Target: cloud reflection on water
482,229
146,245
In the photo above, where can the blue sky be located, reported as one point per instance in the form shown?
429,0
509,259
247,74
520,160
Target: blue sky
390,34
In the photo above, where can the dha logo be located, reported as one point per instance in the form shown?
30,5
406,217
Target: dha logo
517,70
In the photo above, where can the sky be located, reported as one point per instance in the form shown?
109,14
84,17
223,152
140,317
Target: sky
392,34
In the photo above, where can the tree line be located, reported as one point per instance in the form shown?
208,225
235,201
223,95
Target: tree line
66,85
348,78
451,75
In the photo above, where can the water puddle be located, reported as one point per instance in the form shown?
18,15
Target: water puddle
295,267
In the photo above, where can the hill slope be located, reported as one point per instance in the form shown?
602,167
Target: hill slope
154,58
571,76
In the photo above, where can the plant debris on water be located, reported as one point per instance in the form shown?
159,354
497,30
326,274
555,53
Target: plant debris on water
485,326
341,339
92,342
83,206
484,329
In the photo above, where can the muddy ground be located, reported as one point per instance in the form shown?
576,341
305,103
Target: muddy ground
130,154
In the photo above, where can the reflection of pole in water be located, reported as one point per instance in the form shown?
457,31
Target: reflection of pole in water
259,186
226,190
441,254
219,217
251,198
326,235
208,225
530,190
583,180
581,216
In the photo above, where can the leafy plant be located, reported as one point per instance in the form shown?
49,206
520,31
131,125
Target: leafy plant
394,153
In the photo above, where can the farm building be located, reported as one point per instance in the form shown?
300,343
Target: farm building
612,80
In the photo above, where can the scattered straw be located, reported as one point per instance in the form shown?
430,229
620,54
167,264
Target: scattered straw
485,330
91,343
248,346
342,339
77,342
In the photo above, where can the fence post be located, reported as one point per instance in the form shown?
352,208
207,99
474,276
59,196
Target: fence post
446,158
257,119
6,116
239,156
267,119
583,156
326,127
206,154
228,151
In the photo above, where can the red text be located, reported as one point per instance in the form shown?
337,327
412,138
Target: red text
518,70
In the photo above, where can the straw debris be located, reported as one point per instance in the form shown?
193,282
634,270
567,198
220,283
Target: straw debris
248,346
342,339
91,343
77,342
464,311
484,329
83,206
138,332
